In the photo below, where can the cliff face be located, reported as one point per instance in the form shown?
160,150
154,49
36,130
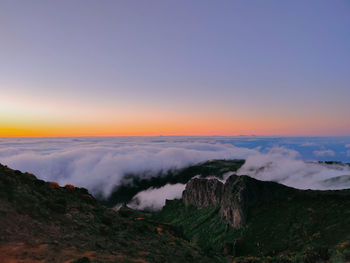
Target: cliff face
203,192
235,197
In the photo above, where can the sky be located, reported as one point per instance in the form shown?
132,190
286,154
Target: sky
123,68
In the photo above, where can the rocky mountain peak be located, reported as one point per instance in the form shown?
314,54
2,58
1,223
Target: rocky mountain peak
203,192
235,197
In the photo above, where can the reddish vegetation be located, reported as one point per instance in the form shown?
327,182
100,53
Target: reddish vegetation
69,186
139,218
343,244
22,253
54,185
30,174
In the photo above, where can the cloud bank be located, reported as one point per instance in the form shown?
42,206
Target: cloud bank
283,165
154,199
278,164
99,164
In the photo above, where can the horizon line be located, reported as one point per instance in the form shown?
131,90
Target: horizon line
115,136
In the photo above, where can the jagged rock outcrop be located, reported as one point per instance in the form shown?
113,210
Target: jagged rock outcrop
203,192
235,197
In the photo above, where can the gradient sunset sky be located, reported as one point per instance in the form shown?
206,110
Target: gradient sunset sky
194,67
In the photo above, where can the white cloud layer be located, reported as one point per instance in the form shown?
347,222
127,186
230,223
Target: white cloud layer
99,164
154,198
283,165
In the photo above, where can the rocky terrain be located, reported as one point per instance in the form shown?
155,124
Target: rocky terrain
234,197
249,220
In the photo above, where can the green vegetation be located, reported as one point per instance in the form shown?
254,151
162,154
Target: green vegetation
313,226
203,227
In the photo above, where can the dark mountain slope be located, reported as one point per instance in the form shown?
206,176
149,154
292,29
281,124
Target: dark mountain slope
42,222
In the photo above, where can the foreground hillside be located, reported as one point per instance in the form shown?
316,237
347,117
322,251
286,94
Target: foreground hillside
42,222
239,220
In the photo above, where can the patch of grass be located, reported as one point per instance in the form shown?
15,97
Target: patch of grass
203,227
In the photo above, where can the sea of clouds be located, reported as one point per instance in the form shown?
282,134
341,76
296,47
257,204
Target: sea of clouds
99,164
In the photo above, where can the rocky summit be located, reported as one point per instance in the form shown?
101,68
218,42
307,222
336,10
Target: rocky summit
234,197
247,220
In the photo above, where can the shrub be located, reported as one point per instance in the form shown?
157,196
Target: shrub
54,185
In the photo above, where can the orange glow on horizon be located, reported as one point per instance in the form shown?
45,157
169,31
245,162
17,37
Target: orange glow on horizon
27,117
188,128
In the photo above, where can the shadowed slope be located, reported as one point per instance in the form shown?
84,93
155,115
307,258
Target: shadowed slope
42,222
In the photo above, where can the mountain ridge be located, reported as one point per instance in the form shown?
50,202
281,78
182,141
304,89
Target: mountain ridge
260,221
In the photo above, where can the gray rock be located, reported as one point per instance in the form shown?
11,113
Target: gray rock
203,192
